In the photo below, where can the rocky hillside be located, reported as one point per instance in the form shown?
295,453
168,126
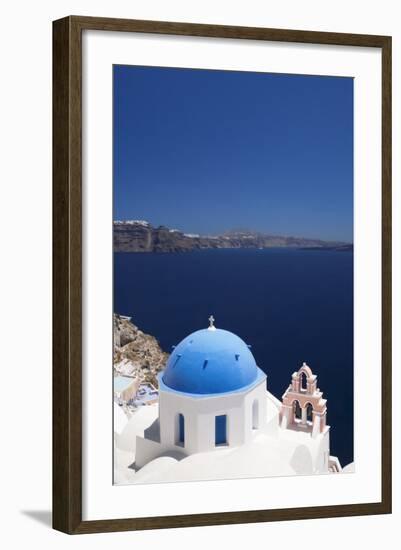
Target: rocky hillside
135,353
141,236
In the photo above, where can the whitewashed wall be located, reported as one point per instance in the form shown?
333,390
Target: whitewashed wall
199,421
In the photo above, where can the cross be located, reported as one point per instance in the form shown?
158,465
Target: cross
211,321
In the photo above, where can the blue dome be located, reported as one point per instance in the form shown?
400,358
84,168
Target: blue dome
210,361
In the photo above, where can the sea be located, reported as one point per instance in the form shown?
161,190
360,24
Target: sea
289,305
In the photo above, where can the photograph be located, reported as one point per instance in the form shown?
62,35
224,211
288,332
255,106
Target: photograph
233,300
200,201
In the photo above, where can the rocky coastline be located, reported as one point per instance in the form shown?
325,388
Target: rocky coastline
136,354
141,236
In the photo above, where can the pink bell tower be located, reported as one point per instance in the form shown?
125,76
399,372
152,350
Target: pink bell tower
303,407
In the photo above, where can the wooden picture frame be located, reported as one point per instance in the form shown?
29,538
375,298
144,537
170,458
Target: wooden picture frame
67,273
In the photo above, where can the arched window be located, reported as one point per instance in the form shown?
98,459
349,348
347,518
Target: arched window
255,414
221,429
297,409
180,430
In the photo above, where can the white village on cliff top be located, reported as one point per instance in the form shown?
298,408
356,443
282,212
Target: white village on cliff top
212,417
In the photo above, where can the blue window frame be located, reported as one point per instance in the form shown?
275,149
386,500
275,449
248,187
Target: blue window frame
181,428
221,429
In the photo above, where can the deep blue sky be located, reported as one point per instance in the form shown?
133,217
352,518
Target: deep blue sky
208,151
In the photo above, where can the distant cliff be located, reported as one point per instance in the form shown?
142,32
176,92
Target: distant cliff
140,236
136,354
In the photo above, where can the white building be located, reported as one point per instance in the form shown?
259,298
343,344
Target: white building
125,388
211,395
216,419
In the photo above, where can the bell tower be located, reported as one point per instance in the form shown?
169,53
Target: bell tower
303,407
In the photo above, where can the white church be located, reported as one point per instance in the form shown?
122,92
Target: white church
216,419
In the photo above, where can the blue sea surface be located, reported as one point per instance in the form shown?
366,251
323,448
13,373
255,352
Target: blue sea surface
290,305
